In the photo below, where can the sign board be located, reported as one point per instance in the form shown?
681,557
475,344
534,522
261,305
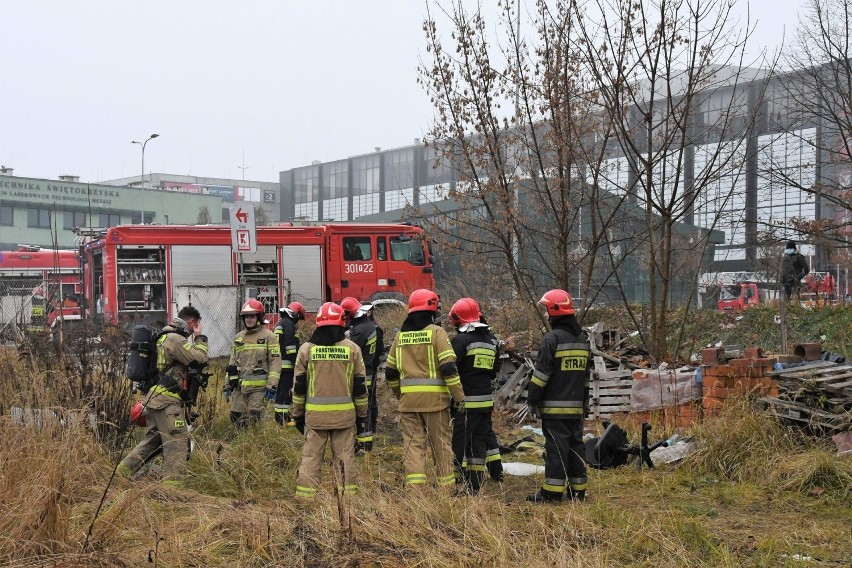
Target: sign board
243,228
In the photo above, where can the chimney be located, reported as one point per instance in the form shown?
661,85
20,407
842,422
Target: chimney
4,171
72,179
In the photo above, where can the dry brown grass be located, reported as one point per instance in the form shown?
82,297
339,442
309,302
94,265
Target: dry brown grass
756,494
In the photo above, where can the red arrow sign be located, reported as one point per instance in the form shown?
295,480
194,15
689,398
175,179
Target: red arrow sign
241,215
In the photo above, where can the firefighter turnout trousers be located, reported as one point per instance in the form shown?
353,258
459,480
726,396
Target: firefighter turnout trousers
167,432
284,395
343,451
365,439
470,436
426,433
247,406
493,459
563,458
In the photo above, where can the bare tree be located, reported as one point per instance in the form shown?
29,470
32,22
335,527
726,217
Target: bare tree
817,88
203,216
520,124
261,217
669,75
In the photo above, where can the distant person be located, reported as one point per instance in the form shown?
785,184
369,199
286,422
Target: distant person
288,343
794,267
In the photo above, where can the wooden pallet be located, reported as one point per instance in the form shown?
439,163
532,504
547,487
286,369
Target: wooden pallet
800,412
610,393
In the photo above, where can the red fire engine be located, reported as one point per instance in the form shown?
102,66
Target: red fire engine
36,281
145,273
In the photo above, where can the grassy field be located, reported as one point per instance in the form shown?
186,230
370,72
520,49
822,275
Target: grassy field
756,493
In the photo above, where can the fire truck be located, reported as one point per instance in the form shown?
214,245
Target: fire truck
35,282
136,274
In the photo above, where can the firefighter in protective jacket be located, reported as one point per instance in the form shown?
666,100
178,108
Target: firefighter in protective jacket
421,372
164,404
559,393
364,333
255,366
329,401
476,351
289,345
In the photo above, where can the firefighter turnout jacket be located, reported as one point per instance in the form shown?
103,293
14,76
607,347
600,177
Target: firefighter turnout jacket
175,352
364,333
288,342
421,370
560,380
476,359
329,386
256,355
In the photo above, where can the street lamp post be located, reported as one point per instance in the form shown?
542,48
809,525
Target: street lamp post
142,179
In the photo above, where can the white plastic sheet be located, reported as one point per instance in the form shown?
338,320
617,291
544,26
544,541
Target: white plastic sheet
522,469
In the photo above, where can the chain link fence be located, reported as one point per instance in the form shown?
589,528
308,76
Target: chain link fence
219,307
24,305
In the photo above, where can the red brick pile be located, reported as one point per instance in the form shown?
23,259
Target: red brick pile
748,375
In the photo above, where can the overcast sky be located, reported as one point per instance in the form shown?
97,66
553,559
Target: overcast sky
287,82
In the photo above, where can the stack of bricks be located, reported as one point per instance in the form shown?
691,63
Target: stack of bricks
670,417
749,375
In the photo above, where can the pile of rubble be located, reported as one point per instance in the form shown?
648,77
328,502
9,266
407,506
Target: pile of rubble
801,387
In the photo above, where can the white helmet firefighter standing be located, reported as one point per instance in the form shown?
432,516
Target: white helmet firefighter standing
255,366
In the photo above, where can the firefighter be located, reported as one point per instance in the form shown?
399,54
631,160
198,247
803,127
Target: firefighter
364,333
255,366
289,345
164,405
559,393
421,372
476,356
329,401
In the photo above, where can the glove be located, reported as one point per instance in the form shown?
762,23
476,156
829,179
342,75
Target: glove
270,393
360,426
532,409
457,406
300,424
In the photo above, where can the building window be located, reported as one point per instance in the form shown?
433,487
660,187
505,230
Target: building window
399,169
109,220
335,181
357,248
39,218
306,184
365,175
74,219
7,215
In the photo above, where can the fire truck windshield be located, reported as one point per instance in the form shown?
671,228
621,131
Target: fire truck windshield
407,249
729,293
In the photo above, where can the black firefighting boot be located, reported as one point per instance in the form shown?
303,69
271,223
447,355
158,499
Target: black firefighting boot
578,495
282,417
238,419
544,496
255,416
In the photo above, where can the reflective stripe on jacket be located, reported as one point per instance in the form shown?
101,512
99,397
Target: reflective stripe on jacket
257,355
329,386
418,357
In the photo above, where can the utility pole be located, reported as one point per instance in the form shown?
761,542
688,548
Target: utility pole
244,167
142,178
